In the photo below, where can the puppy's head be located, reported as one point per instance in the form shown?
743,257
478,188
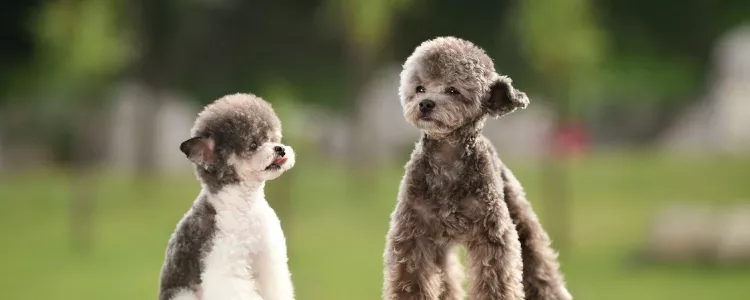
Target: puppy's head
238,138
448,82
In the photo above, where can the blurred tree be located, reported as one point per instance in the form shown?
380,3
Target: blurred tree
365,28
214,47
659,59
565,46
18,41
156,25
82,45
479,21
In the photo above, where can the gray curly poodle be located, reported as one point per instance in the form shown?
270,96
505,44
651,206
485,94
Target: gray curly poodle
456,191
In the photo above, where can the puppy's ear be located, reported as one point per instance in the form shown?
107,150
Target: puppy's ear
199,150
504,98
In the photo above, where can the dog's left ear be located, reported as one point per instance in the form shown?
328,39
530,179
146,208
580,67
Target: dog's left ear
199,150
504,98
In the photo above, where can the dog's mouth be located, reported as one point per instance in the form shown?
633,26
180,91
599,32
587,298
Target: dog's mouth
276,164
426,118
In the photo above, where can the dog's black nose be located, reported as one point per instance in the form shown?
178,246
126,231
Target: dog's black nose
426,105
279,150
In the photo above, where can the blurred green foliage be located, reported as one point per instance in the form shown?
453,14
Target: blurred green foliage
81,42
565,46
601,47
336,242
80,45
365,24
61,57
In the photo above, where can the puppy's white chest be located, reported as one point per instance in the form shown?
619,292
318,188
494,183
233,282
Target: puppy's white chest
247,258
239,236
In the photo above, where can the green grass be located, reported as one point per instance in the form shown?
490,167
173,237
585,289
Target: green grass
336,222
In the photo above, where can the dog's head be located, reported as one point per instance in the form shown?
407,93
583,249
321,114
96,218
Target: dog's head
238,138
448,82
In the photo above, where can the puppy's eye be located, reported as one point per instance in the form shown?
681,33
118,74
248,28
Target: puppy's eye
253,146
420,89
452,91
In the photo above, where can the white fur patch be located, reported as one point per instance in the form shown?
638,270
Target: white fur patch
248,259
186,295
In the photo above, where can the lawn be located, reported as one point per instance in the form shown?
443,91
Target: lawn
336,222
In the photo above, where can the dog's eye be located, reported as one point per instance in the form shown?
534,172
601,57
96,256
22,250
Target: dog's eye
253,146
451,90
420,89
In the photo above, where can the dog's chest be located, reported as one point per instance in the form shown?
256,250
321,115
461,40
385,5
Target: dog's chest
240,227
450,204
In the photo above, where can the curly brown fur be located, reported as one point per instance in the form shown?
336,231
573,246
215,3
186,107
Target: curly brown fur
456,191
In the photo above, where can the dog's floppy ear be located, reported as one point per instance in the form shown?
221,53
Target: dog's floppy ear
199,150
504,98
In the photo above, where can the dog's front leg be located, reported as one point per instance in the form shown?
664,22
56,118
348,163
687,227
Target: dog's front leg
273,277
411,267
495,258
225,279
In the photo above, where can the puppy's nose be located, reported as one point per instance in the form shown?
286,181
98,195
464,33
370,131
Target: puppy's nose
426,105
279,150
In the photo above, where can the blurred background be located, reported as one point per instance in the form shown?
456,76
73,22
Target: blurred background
634,150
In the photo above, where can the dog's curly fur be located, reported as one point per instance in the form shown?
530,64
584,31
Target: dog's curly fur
230,244
456,191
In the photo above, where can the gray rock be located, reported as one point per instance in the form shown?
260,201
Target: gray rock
174,118
681,233
720,122
733,240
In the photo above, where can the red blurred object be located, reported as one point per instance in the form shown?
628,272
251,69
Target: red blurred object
571,140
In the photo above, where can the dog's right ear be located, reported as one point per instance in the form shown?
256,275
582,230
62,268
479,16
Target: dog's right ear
199,150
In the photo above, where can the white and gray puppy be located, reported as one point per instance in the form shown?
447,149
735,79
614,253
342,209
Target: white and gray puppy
230,245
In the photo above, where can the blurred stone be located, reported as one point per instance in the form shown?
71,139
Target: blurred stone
387,134
681,233
121,140
524,133
719,122
733,240
174,119
384,132
328,131
26,156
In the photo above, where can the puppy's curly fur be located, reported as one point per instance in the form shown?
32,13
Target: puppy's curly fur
456,191
230,244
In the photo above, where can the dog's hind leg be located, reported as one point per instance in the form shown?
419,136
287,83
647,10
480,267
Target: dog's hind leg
542,278
452,274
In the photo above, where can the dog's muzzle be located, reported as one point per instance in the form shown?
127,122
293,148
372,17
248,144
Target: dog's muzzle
426,106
